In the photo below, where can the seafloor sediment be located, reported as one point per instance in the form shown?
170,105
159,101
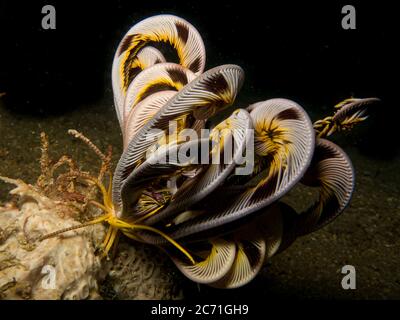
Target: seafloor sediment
366,235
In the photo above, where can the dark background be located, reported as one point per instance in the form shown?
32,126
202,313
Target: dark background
296,51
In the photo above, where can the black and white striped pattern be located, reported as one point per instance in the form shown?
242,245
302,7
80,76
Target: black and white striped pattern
238,125
177,32
230,225
284,171
332,172
196,95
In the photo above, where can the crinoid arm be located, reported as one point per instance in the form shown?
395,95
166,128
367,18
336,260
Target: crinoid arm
348,113
214,260
146,57
251,246
158,78
133,54
143,112
200,93
332,173
234,133
287,163
249,259
167,160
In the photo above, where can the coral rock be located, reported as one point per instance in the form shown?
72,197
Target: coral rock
63,267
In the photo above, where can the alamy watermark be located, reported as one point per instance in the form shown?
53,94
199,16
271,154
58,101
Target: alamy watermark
49,18
207,147
349,18
349,280
49,279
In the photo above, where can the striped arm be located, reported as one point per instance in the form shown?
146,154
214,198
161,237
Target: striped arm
215,262
146,57
215,89
164,162
177,32
348,113
143,112
237,133
160,77
288,162
249,259
332,173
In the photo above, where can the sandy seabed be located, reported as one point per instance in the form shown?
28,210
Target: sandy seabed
366,235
